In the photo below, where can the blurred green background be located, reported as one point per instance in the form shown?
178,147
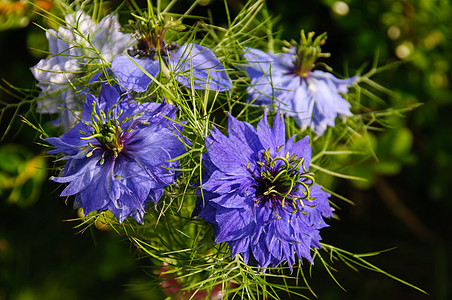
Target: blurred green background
406,204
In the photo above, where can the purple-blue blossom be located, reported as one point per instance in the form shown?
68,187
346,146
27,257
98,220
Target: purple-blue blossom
312,98
76,49
191,65
259,194
118,157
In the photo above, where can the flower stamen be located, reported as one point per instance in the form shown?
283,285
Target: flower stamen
308,51
280,178
150,33
106,130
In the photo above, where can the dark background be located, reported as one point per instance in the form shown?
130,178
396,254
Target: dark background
406,205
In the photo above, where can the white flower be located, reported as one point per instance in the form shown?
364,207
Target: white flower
76,51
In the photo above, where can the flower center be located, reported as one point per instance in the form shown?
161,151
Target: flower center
110,137
282,179
107,131
143,49
308,51
150,33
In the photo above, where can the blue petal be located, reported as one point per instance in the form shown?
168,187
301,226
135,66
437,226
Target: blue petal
271,138
261,252
302,148
245,134
240,246
96,196
135,73
196,64
206,211
233,200
321,201
79,180
278,88
219,182
226,154
134,177
340,85
271,77
279,129
109,95
302,106
235,224
260,63
70,142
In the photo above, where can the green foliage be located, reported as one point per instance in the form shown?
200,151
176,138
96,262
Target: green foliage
21,175
376,141
178,246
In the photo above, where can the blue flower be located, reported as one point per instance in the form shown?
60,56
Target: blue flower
118,156
75,49
259,195
312,97
190,63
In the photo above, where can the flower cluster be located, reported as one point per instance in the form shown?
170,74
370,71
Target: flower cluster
121,150
164,132
213,148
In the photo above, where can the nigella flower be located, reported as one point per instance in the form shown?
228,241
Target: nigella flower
118,156
75,51
312,97
191,64
259,194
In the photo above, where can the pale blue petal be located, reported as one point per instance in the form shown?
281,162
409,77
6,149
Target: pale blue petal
198,65
135,73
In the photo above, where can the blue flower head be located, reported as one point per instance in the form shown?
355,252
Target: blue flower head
190,63
118,156
259,194
312,97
